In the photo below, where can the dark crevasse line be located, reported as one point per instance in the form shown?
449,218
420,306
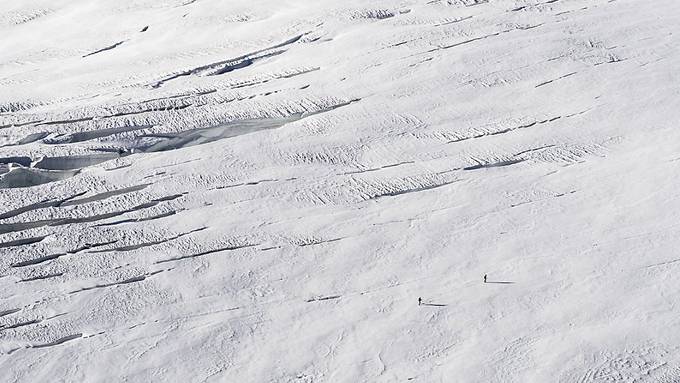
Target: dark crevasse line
189,2
89,246
320,242
20,324
249,83
150,243
57,342
57,122
494,164
469,41
378,168
108,48
250,183
41,277
46,258
21,242
328,298
479,38
92,134
506,130
8,312
201,254
227,130
20,226
19,124
105,195
534,149
136,220
130,113
556,79
225,63
244,63
37,261
235,66
127,281
119,167
413,190
176,96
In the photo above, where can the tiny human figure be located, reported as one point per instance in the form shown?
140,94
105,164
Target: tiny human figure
420,301
484,278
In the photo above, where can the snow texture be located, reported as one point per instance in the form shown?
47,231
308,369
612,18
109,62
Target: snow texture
261,190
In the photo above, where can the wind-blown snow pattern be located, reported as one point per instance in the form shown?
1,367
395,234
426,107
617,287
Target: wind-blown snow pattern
260,191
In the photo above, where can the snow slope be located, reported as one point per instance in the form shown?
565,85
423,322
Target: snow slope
259,191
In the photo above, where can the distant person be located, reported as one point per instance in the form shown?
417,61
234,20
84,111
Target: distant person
484,278
420,301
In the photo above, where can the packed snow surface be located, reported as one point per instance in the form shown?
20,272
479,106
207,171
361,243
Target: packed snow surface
261,190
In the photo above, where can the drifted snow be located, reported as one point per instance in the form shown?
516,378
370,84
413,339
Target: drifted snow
260,191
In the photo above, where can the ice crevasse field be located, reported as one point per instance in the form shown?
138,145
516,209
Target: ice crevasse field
262,191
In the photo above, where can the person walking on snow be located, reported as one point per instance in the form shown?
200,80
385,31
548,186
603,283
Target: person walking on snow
484,278
420,301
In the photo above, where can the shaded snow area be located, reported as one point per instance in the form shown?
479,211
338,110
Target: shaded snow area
261,191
